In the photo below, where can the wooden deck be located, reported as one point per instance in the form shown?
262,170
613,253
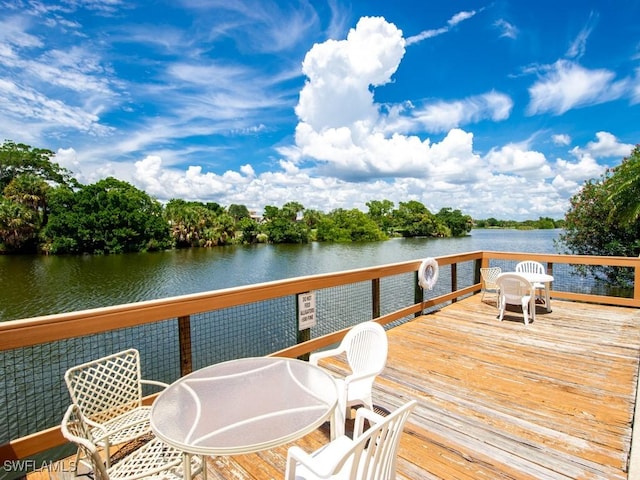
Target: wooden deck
501,400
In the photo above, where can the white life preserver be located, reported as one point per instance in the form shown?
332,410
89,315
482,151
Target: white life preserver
428,273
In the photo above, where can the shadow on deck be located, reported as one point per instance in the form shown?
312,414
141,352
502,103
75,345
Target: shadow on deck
500,400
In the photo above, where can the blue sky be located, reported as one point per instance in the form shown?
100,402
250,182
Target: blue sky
497,108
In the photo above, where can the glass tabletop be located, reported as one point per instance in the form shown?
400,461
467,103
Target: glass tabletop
244,405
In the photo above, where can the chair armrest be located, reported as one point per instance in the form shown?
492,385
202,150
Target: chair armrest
314,357
154,382
354,378
323,462
296,455
363,414
98,426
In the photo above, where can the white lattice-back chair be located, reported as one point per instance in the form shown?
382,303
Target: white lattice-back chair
154,460
531,266
516,290
370,455
108,392
489,275
365,346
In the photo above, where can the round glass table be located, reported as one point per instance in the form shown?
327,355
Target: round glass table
244,405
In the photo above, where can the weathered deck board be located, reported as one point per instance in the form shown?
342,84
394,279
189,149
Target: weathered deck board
501,400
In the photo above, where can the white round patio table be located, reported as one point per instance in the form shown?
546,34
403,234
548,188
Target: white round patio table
540,278
243,406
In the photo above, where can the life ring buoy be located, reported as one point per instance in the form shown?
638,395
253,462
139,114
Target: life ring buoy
428,273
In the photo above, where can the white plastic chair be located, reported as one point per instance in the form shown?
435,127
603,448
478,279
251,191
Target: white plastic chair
365,346
516,290
370,455
489,276
154,460
531,266
108,392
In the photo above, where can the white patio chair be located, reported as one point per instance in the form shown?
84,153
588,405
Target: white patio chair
489,276
154,460
531,266
108,392
370,455
365,346
516,290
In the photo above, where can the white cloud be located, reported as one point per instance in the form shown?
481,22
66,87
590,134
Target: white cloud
339,74
508,30
587,167
452,22
579,45
568,85
22,102
513,158
443,116
561,139
606,145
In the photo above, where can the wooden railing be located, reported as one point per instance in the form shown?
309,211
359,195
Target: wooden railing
20,334
551,260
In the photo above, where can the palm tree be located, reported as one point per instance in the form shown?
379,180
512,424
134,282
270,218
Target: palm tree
31,191
17,224
624,189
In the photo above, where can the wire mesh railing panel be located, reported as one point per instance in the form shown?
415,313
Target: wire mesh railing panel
253,329
396,292
261,328
342,307
35,396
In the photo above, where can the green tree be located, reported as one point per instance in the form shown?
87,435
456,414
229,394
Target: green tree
285,225
624,189
238,212
381,211
312,217
220,231
589,229
110,216
249,229
348,226
18,158
18,226
413,219
195,224
546,223
458,223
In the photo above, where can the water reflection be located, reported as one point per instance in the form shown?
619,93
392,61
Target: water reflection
39,285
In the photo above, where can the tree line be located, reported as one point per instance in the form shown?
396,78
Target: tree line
44,209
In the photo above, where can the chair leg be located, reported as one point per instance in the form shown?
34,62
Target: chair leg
338,419
525,310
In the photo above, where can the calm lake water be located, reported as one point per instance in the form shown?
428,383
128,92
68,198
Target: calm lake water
37,285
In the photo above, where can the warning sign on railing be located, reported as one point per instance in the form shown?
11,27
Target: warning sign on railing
306,310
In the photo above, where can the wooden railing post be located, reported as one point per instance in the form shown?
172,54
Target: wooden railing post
636,284
454,280
477,264
184,337
418,294
375,298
